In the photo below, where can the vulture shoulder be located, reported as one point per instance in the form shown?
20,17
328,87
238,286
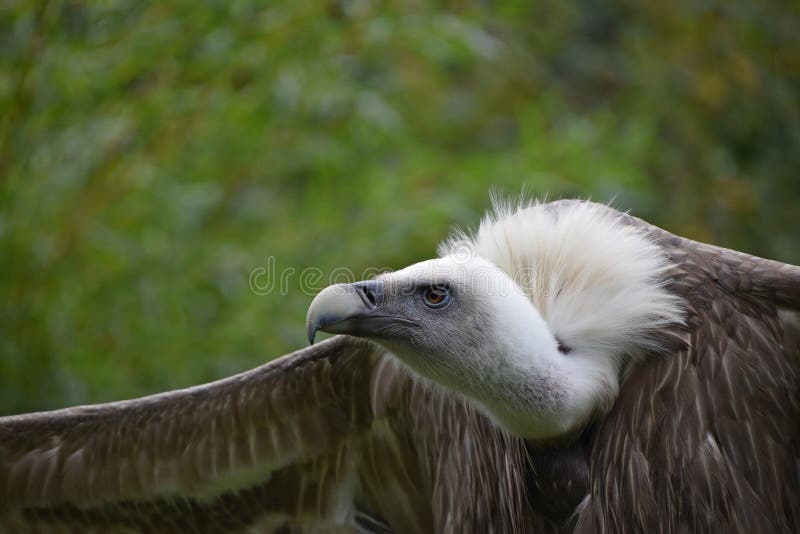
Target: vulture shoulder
334,437
707,436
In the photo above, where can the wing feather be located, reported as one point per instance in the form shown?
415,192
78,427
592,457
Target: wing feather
265,447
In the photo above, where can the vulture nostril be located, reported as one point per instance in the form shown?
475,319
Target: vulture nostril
370,296
371,292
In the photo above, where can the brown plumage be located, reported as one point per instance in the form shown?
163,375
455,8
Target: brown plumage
708,438
276,447
703,435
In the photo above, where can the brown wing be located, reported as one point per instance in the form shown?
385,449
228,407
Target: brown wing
707,438
274,446
335,437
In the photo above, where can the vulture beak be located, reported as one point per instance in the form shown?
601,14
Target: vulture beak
346,309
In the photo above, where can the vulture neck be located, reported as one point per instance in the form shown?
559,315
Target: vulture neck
535,385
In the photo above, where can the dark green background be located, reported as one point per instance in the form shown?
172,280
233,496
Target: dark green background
153,154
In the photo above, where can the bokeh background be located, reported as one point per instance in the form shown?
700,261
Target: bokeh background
153,154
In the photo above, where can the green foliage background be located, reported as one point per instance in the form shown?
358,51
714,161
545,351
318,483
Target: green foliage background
153,154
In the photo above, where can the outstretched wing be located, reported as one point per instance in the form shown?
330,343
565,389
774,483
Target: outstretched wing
336,437
272,447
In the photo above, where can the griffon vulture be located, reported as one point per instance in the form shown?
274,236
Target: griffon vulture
567,368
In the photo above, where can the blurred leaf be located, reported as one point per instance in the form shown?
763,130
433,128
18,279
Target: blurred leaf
154,155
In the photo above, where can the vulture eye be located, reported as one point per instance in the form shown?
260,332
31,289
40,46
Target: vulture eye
436,296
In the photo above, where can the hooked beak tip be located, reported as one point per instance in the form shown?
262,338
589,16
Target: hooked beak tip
312,332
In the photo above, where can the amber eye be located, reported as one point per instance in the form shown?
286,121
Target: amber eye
436,296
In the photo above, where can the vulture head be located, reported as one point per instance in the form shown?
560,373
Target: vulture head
533,319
